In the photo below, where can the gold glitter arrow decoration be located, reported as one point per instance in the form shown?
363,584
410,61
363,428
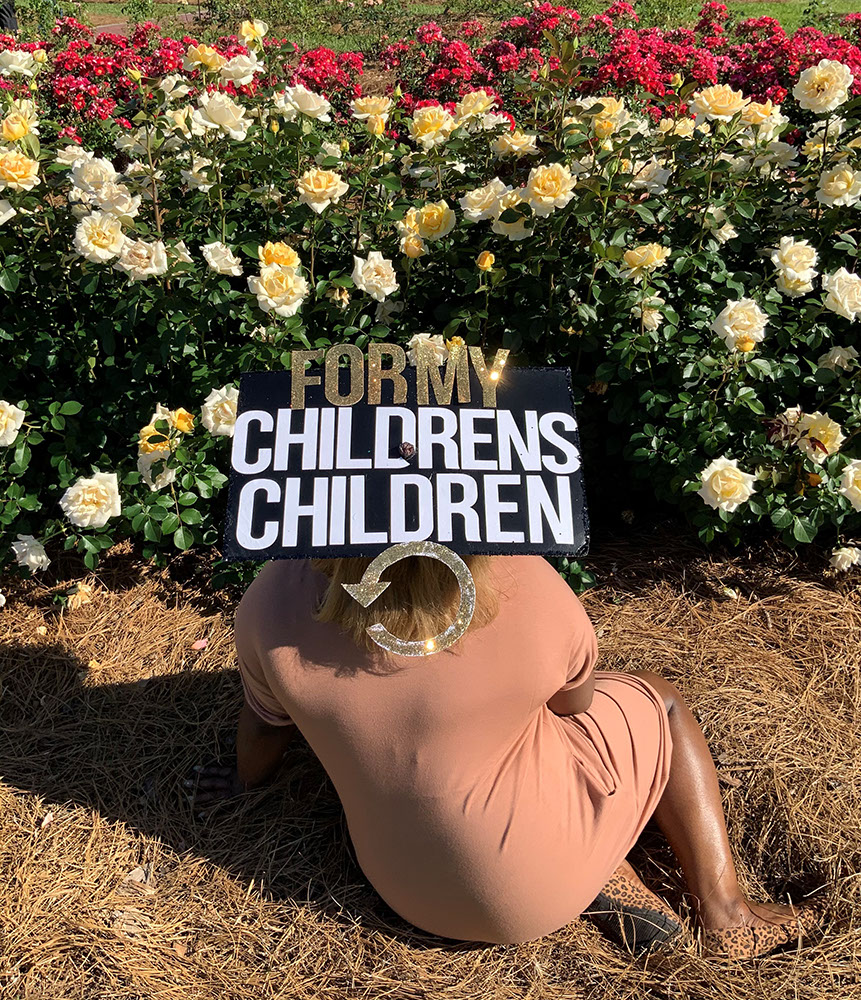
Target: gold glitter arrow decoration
369,588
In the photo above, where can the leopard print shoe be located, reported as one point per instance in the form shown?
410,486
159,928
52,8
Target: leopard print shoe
628,913
752,942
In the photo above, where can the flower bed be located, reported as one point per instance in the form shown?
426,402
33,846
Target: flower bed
680,235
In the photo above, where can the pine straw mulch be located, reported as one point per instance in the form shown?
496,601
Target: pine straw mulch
113,887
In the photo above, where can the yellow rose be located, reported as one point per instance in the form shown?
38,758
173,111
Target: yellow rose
455,342
823,87
203,55
253,31
549,187
643,260
376,124
182,420
15,126
134,75
371,107
40,56
677,126
476,102
431,126
409,224
745,344
724,485
18,172
434,220
757,114
320,188
413,246
819,436
274,126
515,143
151,440
278,253
718,103
485,260
519,228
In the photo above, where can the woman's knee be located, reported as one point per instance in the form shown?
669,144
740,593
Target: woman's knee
666,689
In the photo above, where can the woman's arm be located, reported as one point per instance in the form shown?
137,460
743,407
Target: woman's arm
259,748
576,700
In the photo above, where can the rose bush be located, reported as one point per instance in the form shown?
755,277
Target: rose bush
688,250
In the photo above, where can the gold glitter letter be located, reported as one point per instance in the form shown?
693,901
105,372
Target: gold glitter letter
376,373
298,378
488,379
456,370
357,374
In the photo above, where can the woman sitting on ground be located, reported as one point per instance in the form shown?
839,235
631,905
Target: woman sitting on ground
492,790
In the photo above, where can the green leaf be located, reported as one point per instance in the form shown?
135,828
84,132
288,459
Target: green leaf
71,408
183,538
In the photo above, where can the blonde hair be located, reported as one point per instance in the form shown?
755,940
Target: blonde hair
421,600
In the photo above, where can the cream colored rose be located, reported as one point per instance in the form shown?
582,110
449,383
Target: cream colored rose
141,260
838,357
481,203
375,275
642,260
240,69
793,287
99,237
850,483
387,310
174,86
412,246
318,188
515,143
299,100
117,199
823,87
843,296
649,313
475,104
253,30
845,558
17,171
218,413
796,259
146,462
16,62
741,324
30,552
718,103
218,111
650,175
840,186
91,502
202,57
279,289
327,150
197,177
517,229
724,485
185,120
180,251
548,188
277,253
683,127
819,436
611,117
22,120
429,342
434,220
91,174
364,108
11,418
7,212
69,155
221,258
431,126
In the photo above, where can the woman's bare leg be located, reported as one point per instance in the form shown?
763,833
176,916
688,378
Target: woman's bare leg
690,814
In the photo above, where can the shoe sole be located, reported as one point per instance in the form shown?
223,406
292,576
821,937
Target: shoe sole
637,929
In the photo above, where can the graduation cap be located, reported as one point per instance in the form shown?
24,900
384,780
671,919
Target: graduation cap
379,458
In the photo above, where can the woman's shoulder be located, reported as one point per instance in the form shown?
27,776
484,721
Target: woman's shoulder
536,584
273,593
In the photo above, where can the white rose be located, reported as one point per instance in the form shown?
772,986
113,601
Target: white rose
11,418
221,258
2,599
30,552
740,323
724,485
91,175
819,436
197,178
180,251
844,293
845,558
793,287
141,260
327,150
300,100
651,175
796,259
481,203
220,111
218,412
174,87
91,502
726,233
838,357
13,61
840,186
145,466
117,199
6,211
279,289
99,237
823,87
433,342
240,70
69,155
134,143
376,276
850,483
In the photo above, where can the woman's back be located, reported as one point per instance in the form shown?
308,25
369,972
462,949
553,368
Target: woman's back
473,809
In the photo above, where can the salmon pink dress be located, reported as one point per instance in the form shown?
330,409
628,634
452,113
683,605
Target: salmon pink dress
475,812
